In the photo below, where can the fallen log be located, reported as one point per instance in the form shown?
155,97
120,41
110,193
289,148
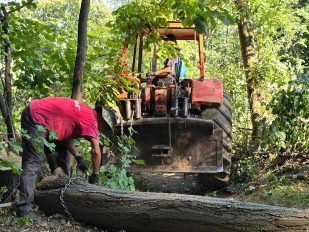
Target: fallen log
145,211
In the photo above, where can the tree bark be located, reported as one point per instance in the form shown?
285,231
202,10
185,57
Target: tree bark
254,89
7,117
145,211
81,50
6,98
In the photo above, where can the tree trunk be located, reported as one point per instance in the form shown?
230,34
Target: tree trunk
145,211
81,50
6,98
254,89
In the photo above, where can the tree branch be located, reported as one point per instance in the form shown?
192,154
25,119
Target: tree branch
6,13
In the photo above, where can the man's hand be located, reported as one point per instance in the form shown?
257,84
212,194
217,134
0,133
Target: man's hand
81,164
93,179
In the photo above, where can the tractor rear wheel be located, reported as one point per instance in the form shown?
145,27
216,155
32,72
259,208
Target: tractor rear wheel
222,118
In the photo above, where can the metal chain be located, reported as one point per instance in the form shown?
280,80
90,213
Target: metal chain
170,133
13,193
121,127
62,200
66,186
132,118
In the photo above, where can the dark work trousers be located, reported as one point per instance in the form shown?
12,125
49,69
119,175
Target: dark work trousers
32,159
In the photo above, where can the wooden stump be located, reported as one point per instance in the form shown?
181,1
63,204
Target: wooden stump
8,178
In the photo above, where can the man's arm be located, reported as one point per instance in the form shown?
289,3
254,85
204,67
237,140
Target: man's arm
163,72
96,155
70,146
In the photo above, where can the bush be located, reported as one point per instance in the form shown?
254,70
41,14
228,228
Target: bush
289,131
114,174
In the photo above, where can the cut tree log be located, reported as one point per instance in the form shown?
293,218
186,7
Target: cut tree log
8,178
145,211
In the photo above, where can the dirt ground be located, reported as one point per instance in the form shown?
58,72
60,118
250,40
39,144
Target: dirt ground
53,223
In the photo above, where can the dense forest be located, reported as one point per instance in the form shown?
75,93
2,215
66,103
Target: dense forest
258,48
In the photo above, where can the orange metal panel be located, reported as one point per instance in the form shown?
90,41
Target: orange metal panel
207,91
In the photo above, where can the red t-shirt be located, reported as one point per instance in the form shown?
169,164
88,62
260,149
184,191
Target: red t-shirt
69,118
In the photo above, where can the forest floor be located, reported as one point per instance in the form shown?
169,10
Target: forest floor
55,223
274,179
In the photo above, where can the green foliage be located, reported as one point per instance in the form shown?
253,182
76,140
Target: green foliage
4,148
144,17
43,45
289,130
114,174
39,140
289,194
278,191
15,221
118,150
268,178
15,146
16,5
280,30
137,16
245,169
12,165
106,90
43,58
3,190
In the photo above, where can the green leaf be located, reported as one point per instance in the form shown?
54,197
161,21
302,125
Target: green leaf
41,128
52,135
139,162
103,169
22,221
15,146
8,164
4,36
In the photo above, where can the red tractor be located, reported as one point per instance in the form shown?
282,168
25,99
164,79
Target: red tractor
184,128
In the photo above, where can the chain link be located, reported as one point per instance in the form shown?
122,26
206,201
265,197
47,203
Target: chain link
62,199
170,133
64,189
132,118
121,127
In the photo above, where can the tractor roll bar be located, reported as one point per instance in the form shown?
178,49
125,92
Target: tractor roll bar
173,27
